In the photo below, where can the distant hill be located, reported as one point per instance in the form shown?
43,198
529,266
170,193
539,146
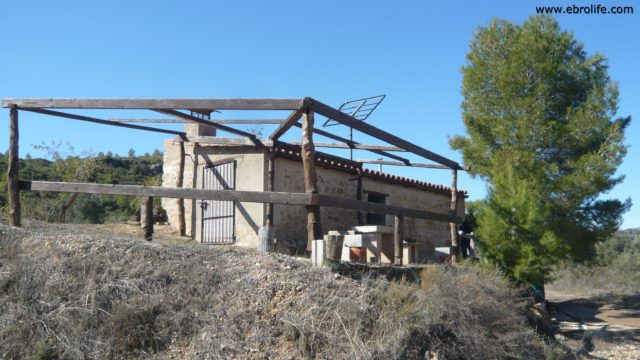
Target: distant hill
101,168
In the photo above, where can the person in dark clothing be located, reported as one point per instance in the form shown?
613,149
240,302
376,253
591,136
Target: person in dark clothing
465,232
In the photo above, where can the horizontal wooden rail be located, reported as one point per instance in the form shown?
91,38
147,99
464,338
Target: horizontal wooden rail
191,104
352,146
351,143
208,123
234,195
399,163
336,202
216,121
167,192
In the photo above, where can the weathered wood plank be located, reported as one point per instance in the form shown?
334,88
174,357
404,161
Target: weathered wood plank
146,217
13,169
334,246
413,164
207,123
228,141
336,202
360,216
168,192
291,119
455,248
353,143
270,186
308,154
191,104
103,122
182,227
370,130
398,237
352,146
217,121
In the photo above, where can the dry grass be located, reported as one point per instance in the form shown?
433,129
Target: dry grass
75,293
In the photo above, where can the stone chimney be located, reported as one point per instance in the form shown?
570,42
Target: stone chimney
194,129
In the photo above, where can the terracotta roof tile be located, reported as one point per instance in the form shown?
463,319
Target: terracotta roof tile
338,163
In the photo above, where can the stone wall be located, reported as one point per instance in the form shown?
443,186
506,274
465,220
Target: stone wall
250,175
428,233
290,221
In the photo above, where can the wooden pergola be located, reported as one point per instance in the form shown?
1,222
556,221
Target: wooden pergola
187,110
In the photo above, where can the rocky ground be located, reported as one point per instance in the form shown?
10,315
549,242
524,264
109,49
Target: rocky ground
597,326
100,291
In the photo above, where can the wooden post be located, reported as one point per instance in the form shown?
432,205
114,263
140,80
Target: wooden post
308,153
12,164
455,249
359,215
398,237
179,183
146,217
265,233
334,245
265,239
270,187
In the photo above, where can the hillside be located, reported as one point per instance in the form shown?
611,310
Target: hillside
65,165
95,291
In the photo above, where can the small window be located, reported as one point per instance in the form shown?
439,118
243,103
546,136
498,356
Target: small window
375,218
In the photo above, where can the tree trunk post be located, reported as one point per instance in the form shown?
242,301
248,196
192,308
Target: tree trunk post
146,217
13,172
270,187
314,227
455,249
265,233
179,183
334,244
398,237
360,217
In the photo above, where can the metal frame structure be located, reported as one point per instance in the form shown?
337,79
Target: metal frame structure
185,110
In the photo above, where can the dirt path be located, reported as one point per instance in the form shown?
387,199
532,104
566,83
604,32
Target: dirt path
598,327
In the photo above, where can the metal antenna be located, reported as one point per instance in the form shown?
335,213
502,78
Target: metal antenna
360,109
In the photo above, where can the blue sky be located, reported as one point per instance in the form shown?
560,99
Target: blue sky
330,50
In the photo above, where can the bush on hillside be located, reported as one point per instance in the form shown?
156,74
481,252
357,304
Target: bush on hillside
71,293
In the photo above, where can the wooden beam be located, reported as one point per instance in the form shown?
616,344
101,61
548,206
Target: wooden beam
207,123
234,195
336,202
182,227
13,169
217,121
352,146
398,237
379,134
103,122
270,186
191,104
353,143
420,165
308,154
455,248
212,140
291,119
360,216
168,192
146,217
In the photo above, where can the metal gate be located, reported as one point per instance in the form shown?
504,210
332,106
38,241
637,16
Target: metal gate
218,217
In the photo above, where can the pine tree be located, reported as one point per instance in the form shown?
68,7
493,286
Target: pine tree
541,130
